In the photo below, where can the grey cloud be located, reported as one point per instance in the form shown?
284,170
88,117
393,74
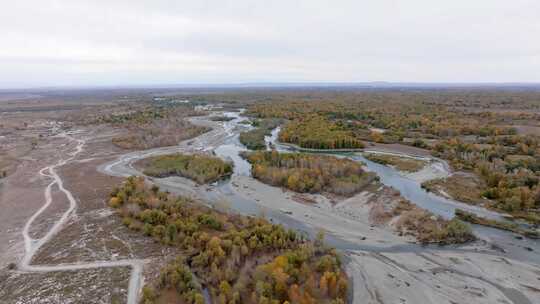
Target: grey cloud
119,42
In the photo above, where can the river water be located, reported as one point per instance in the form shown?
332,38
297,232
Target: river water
506,242
224,195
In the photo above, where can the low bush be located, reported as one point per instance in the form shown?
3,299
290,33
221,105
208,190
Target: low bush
428,228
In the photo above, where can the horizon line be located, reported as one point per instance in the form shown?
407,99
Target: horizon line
278,84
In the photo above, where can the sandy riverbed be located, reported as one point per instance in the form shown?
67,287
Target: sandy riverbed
349,219
430,276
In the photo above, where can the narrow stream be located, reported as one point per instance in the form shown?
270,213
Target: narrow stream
412,191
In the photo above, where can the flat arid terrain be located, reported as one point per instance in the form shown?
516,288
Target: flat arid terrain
270,195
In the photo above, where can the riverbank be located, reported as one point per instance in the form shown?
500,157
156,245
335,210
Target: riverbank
300,149
508,226
348,220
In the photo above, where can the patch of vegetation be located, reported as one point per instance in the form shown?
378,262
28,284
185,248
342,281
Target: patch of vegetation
153,127
221,118
400,163
254,139
428,228
513,227
238,259
317,132
511,180
141,116
162,133
303,172
466,189
200,168
7,164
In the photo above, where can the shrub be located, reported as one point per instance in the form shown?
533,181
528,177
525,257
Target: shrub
115,202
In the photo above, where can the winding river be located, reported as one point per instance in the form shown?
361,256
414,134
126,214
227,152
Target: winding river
506,243
223,141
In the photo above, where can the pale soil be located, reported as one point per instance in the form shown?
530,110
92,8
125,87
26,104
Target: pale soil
100,286
398,148
404,164
96,233
46,220
441,277
92,235
527,129
434,168
21,193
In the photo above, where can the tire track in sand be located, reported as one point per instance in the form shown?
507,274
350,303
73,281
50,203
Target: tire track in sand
32,246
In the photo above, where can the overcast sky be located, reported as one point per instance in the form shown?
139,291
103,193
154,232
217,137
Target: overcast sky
136,42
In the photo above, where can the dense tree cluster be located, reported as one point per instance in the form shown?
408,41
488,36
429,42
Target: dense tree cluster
303,172
142,116
294,277
401,121
317,132
178,277
509,167
238,259
200,168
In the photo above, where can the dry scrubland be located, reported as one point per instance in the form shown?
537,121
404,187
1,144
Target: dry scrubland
19,136
155,128
142,122
238,259
27,144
